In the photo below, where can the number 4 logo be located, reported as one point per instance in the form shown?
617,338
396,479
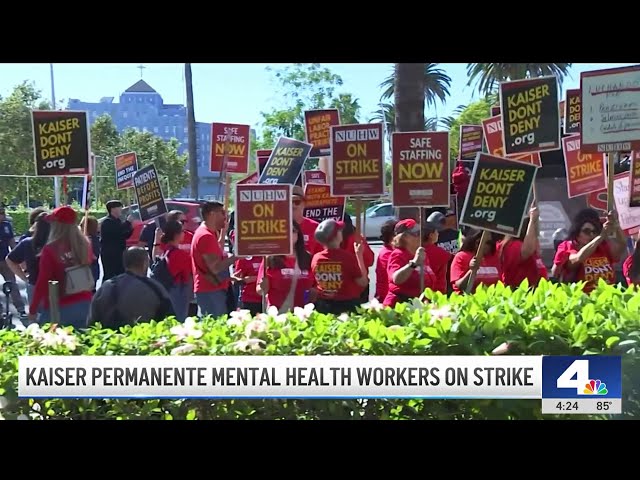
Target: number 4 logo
578,369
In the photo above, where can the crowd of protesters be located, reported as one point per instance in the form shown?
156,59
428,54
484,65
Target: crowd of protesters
175,272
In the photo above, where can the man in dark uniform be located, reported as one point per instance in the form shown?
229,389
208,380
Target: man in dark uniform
113,240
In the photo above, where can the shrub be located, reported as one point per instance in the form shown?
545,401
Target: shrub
20,218
553,319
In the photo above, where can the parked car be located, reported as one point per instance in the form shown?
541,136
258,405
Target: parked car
375,217
190,208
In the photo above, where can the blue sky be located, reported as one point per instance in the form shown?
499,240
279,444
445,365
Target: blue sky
234,93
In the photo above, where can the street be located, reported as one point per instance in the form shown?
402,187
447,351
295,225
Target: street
375,246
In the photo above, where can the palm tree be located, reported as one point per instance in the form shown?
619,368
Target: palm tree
387,115
191,133
487,76
436,84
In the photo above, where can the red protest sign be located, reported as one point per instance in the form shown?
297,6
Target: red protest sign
317,126
238,140
572,111
634,180
492,128
420,169
585,171
263,219
126,166
262,157
253,178
320,205
314,176
358,160
470,142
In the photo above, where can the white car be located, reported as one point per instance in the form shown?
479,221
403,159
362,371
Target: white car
375,217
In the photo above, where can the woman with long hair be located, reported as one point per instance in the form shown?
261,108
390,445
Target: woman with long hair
520,258
286,280
93,228
438,257
382,282
631,266
589,254
465,261
404,264
66,258
349,241
27,252
179,266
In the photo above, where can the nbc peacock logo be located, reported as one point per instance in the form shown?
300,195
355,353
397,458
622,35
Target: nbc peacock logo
595,387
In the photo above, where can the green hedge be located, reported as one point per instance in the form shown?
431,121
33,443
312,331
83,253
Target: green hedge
20,218
554,319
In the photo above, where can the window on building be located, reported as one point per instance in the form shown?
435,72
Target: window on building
125,114
140,99
166,129
186,130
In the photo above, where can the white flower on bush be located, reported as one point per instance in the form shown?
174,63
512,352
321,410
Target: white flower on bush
237,318
183,349
34,331
161,342
187,329
442,312
374,305
394,328
250,345
257,326
3,402
272,311
66,339
304,313
344,317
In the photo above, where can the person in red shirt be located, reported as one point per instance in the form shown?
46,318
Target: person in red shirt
465,261
589,254
245,272
519,257
631,266
382,281
403,269
349,239
437,257
286,280
340,275
210,265
179,264
66,247
307,225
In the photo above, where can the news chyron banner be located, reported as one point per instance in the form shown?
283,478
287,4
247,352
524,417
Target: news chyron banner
126,166
357,167
609,109
572,112
263,220
237,137
421,174
320,205
317,127
285,162
470,142
149,193
530,115
585,171
498,194
61,142
589,384
315,176
492,128
634,180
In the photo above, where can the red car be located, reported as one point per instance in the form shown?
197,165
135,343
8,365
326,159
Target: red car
190,209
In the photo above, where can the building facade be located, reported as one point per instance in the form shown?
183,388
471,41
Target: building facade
142,108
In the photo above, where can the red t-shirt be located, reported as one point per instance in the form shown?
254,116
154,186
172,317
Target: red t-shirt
411,287
248,267
280,283
185,245
179,264
308,228
626,269
515,269
598,265
382,282
438,259
336,271
488,272
205,242
54,260
368,256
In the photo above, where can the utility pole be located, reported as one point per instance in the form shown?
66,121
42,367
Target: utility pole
56,179
191,133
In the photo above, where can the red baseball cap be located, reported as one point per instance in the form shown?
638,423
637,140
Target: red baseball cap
65,215
406,225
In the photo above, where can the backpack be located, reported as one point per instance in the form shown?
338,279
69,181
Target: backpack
160,270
